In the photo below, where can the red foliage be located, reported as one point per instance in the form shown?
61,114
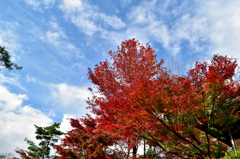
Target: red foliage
85,140
139,99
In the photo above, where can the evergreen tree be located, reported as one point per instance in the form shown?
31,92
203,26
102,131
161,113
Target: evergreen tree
48,135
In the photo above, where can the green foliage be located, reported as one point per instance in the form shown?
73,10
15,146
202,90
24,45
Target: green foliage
232,154
49,136
5,60
152,154
34,150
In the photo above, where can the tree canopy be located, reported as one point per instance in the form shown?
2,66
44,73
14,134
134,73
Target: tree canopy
188,116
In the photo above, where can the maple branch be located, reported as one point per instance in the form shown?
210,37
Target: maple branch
161,146
208,144
177,134
150,135
192,134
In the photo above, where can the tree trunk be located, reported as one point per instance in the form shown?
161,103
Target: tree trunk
46,149
135,151
144,148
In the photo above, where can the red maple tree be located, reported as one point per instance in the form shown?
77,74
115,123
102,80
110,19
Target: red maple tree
139,100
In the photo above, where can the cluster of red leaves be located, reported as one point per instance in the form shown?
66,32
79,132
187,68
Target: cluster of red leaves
139,100
86,141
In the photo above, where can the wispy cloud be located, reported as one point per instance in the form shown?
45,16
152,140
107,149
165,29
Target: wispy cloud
88,18
29,78
81,14
145,24
9,38
57,37
36,3
125,2
71,6
221,27
11,80
209,27
49,2
112,21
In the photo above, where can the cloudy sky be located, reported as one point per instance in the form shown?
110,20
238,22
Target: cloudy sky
55,41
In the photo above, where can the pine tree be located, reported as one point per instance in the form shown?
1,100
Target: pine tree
48,135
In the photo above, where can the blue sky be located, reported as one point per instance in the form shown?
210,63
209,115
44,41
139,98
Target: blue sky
55,41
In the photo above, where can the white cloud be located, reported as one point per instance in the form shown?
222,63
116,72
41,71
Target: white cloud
70,99
6,99
18,121
65,124
69,96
